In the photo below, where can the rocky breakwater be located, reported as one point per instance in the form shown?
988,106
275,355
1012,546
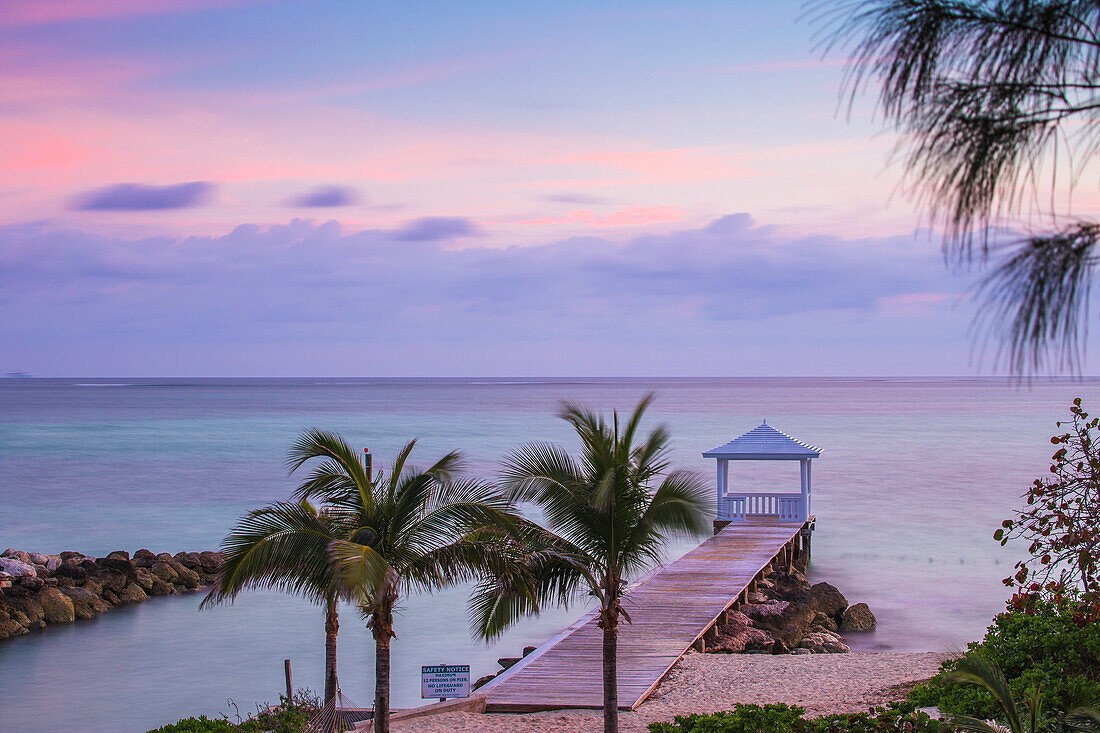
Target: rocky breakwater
785,614
38,590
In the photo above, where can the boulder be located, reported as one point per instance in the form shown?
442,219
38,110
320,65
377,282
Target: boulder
111,597
189,560
57,607
211,562
71,569
788,626
858,618
27,610
756,597
827,599
24,557
506,662
53,563
113,580
70,555
117,564
528,649
165,572
92,585
823,622
38,558
17,568
10,627
481,681
824,642
187,577
162,588
737,634
761,611
144,558
164,557
132,594
119,555
31,583
86,604
8,552
144,579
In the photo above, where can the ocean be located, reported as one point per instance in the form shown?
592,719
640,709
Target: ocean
914,477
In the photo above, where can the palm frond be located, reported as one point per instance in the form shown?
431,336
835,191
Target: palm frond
977,669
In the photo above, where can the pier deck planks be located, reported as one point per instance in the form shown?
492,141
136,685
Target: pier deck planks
671,609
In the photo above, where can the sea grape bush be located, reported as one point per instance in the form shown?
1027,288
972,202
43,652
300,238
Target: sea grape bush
781,718
289,716
1049,648
1061,522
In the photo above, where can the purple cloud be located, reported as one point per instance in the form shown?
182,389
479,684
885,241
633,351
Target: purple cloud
143,197
727,298
435,228
326,196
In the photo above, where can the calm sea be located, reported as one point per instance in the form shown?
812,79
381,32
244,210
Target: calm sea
915,476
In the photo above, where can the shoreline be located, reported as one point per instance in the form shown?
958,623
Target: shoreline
706,683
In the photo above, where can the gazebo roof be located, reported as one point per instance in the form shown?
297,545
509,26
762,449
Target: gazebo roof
763,443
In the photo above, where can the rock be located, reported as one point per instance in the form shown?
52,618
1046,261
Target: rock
144,558
823,622
187,577
39,559
824,642
528,649
189,560
132,594
17,568
24,557
162,588
8,552
53,563
27,610
165,572
766,583
125,567
31,583
119,555
759,611
482,680
57,607
70,555
86,604
858,618
144,579
506,662
64,581
164,557
113,580
111,597
92,585
789,626
10,627
71,569
827,599
757,597
800,650
211,562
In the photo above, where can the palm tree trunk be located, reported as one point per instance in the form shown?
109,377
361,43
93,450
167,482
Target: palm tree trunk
611,677
383,631
332,626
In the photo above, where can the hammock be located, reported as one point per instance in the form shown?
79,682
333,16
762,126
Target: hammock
339,715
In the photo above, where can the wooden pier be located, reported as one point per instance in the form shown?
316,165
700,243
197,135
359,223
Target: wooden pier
673,609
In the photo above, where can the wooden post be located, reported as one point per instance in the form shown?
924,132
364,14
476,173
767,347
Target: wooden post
289,684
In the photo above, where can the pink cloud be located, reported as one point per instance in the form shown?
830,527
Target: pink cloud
17,13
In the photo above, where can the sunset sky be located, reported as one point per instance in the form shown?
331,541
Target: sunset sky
220,187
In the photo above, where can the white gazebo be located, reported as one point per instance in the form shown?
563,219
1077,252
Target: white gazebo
763,443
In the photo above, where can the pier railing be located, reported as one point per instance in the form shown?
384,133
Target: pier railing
782,506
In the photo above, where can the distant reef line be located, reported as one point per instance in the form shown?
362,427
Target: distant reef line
38,590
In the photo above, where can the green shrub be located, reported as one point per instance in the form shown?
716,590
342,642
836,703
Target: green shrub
201,724
780,718
1052,647
290,716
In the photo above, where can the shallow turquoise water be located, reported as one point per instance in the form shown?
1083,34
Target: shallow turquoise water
915,476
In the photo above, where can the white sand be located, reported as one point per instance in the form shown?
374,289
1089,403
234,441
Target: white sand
704,683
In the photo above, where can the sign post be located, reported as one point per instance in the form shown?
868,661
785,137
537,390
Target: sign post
445,681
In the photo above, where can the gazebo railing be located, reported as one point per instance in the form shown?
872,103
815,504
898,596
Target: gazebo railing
782,506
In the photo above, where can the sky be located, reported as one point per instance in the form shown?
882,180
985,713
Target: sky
356,188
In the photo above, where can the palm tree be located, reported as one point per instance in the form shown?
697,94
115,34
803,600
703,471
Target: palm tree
991,98
604,524
285,546
406,532
1025,716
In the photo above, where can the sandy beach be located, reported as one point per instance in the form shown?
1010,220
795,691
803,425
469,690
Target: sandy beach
700,683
